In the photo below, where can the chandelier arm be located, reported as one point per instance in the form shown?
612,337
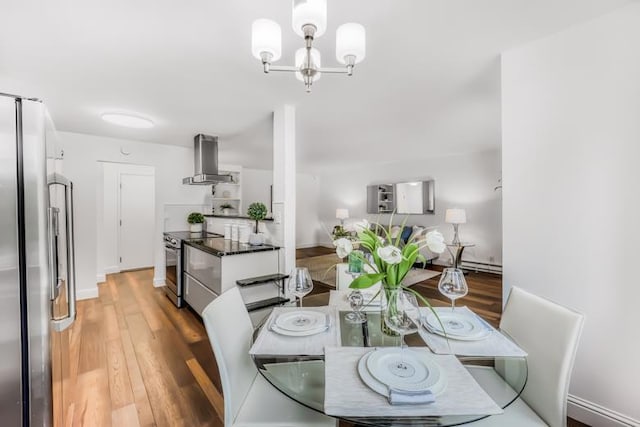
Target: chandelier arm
334,70
287,68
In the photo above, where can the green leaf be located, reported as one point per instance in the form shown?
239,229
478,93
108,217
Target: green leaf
367,280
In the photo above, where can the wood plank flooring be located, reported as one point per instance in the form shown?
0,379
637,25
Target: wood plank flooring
140,361
136,360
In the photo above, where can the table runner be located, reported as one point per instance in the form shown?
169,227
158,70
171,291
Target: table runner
495,345
346,395
271,343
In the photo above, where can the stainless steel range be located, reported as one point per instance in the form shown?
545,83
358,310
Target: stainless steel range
173,249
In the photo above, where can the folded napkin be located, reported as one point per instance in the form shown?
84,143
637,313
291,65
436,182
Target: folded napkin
495,344
272,343
346,395
403,397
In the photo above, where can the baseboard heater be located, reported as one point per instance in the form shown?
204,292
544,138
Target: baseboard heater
481,267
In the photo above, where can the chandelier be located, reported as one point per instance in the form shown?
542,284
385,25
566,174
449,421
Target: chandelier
309,20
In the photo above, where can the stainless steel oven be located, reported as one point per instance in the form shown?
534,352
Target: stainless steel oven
173,280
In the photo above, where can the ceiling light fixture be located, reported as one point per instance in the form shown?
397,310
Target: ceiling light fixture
128,120
309,20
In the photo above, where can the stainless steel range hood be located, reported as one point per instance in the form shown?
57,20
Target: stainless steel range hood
205,162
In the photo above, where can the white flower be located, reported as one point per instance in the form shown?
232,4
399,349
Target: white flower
390,254
343,247
435,241
361,225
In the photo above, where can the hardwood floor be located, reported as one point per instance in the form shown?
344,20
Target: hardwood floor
141,362
136,360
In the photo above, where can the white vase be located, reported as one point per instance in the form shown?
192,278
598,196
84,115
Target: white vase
256,239
195,228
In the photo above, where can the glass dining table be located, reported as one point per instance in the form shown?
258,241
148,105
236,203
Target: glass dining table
301,378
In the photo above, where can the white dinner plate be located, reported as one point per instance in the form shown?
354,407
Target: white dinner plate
301,320
419,373
457,326
308,333
380,388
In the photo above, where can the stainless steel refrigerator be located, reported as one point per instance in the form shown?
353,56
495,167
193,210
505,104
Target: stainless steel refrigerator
37,274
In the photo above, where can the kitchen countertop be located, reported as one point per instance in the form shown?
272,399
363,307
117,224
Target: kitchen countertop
221,247
235,216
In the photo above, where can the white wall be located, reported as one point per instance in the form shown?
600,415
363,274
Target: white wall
465,181
82,157
256,185
308,226
255,188
571,145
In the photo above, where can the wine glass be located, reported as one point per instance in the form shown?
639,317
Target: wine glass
401,315
453,285
356,300
300,283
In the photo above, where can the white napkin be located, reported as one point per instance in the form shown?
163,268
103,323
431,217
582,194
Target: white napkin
495,345
346,395
403,397
271,343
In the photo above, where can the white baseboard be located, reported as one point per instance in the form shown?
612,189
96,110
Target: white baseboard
158,281
595,415
112,269
101,278
87,293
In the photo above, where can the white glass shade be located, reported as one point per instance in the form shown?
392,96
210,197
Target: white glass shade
350,40
301,54
266,36
342,213
312,12
455,216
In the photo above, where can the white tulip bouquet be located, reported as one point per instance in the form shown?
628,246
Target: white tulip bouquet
391,260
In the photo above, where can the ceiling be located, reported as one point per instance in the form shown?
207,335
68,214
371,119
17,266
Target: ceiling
430,85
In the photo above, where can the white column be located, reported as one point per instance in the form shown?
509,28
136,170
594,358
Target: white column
284,184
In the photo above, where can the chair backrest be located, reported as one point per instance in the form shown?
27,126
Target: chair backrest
230,331
550,334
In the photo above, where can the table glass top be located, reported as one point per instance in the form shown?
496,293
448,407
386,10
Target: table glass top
302,377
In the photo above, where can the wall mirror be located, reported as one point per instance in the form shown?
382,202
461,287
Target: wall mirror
407,198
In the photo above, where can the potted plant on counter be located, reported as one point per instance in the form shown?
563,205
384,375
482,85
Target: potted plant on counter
226,208
195,220
257,211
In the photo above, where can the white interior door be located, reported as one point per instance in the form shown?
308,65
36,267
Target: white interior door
137,221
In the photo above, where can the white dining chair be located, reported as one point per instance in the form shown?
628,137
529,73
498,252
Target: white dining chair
249,399
549,333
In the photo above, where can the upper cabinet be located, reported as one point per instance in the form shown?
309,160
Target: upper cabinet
415,197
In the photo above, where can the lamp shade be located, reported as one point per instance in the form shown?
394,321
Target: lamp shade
342,213
312,12
301,56
455,216
266,36
350,40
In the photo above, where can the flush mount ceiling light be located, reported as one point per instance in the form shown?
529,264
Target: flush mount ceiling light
128,120
309,20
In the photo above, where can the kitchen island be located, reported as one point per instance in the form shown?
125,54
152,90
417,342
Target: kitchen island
214,265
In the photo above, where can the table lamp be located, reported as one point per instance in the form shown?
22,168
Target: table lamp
342,214
456,217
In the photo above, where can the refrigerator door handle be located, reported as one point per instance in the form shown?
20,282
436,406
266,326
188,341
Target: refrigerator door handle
65,322
54,278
